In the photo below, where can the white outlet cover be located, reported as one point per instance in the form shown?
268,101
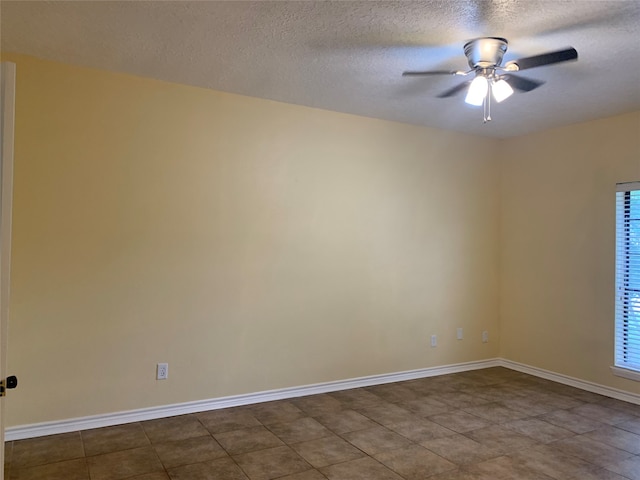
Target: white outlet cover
459,333
434,340
485,336
162,371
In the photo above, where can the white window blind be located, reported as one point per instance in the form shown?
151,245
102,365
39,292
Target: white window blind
627,335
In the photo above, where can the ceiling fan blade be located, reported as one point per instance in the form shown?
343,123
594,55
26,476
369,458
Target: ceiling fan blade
429,72
521,83
452,91
544,59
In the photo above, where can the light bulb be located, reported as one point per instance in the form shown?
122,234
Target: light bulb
477,91
501,90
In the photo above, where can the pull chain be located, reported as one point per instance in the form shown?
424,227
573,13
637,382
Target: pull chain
486,104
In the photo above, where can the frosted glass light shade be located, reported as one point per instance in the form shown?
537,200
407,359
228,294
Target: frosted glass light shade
501,90
477,91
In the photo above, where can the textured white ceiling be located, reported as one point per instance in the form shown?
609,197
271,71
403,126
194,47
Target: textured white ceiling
348,56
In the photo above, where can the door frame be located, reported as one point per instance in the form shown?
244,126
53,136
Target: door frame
7,123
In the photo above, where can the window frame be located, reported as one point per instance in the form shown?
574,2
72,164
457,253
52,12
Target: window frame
624,306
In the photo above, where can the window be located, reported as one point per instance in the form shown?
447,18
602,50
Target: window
627,332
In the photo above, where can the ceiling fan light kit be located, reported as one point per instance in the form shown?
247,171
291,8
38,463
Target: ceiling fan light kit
491,78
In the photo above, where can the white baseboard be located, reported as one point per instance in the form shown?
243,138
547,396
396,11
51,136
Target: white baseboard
571,381
97,421
118,418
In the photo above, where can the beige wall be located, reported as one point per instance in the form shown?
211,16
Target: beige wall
251,244
557,246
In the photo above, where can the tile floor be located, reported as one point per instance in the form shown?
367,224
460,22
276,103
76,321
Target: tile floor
492,424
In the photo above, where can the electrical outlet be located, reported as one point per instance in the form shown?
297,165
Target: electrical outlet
459,334
485,336
434,340
163,371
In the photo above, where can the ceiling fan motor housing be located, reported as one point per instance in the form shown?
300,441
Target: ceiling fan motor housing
485,52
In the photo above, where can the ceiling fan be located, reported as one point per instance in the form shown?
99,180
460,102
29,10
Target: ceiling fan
493,79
